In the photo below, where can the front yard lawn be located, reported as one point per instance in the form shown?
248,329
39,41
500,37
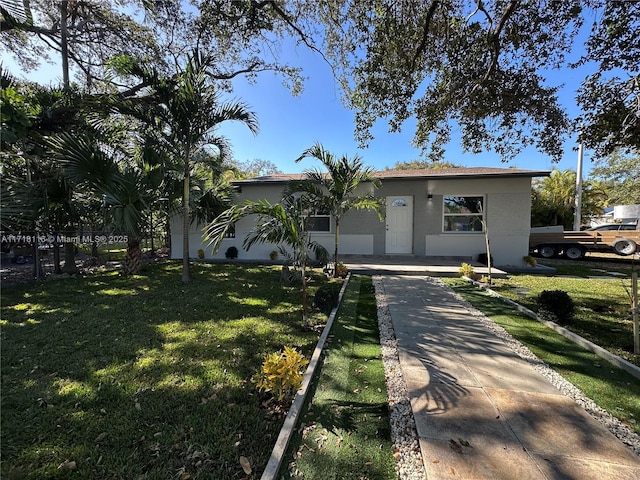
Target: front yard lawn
345,430
144,377
603,306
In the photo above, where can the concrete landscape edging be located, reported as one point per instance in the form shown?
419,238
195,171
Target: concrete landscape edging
282,443
583,342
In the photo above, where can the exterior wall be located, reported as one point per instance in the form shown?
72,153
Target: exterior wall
507,206
508,217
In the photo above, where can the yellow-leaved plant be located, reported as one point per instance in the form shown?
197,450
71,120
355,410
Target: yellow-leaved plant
282,373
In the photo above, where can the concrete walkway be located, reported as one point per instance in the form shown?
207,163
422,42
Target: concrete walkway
481,411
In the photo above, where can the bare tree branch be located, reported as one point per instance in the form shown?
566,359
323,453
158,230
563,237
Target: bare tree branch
425,33
495,40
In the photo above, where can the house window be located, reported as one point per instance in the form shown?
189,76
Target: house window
319,221
463,214
399,202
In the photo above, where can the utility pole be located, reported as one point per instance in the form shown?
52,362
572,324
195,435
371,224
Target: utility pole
577,218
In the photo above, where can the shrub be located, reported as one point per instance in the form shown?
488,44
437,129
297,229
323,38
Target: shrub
529,260
200,254
466,270
232,252
273,255
556,305
327,297
282,373
322,257
342,270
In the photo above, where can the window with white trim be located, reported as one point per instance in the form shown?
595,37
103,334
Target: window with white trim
463,214
319,221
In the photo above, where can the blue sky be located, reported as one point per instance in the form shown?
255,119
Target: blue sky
289,125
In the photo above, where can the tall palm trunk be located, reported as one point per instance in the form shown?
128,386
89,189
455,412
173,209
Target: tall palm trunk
133,259
57,269
335,253
70,259
186,187
305,322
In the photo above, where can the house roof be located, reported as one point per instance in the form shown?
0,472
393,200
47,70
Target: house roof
415,174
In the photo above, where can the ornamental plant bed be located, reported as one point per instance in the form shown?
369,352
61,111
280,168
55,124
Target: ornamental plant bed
145,377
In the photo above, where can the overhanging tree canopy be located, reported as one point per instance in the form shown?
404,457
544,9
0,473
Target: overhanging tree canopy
480,65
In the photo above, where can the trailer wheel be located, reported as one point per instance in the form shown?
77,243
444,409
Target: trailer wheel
625,247
547,251
574,253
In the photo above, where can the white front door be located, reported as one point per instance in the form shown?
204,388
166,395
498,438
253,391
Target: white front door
399,238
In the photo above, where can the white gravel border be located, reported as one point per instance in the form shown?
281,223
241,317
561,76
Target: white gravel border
403,429
406,446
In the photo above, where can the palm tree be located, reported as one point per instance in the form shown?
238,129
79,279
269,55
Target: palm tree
280,223
189,110
557,193
334,190
129,188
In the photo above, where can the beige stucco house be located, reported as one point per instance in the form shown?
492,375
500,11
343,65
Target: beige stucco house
429,213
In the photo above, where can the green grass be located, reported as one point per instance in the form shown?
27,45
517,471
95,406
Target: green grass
345,430
143,377
603,306
608,386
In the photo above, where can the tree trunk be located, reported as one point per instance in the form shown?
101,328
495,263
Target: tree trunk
56,258
64,44
305,322
167,241
335,253
133,259
186,268
70,259
486,237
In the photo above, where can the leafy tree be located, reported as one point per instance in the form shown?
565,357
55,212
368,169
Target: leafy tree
280,223
619,175
610,97
334,191
422,164
554,198
480,66
85,35
257,168
39,197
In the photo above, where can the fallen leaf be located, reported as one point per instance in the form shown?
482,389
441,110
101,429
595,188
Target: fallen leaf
436,461
185,476
453,471
101,437
67,465
455,446
368,463
464,443
246,466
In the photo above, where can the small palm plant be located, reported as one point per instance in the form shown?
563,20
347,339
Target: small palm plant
335,190
281,223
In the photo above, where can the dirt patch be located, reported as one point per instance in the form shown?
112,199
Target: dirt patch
14,273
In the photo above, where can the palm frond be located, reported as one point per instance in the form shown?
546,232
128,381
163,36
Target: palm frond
84,161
